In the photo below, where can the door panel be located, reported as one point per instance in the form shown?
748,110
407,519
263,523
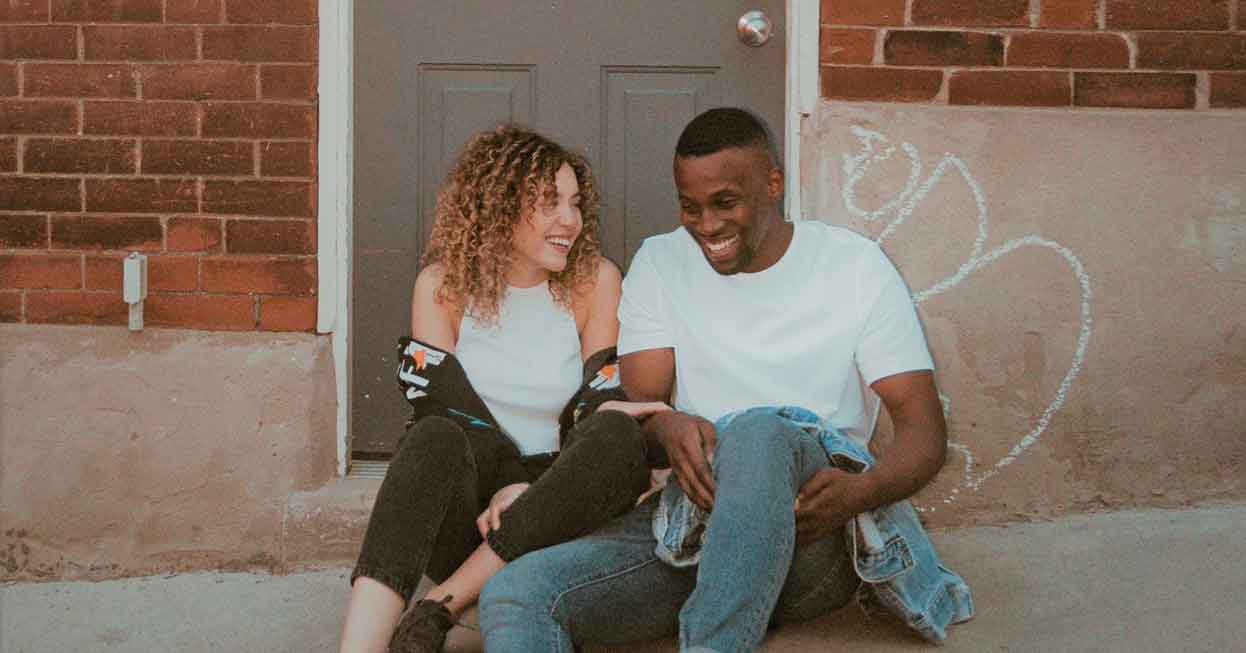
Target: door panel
644,111
455,103
616,81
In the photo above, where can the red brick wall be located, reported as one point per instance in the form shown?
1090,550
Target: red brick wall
1146,54
184,129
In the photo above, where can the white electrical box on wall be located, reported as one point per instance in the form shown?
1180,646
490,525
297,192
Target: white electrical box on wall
134,287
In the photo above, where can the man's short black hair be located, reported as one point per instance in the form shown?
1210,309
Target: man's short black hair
723,128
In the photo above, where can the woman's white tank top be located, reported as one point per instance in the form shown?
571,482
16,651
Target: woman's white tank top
526,366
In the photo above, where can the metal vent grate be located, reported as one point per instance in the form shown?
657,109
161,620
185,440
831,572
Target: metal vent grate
374,469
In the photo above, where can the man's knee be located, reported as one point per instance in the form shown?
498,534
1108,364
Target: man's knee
758,432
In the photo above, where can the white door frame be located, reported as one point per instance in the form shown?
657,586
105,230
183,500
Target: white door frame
335,191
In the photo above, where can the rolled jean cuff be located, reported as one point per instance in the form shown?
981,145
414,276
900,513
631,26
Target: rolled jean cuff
404,586
506,551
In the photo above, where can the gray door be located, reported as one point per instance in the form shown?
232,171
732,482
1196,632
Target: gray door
616,80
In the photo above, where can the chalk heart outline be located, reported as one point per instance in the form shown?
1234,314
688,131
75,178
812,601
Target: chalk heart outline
874,148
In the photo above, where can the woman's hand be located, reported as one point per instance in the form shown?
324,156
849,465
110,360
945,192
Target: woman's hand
637,409
491,518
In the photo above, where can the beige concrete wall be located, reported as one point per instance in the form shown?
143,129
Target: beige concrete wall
1082,280
124,454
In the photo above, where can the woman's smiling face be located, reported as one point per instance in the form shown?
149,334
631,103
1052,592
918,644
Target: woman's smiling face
544,236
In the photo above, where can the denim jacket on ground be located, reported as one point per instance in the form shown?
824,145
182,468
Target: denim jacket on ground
890,550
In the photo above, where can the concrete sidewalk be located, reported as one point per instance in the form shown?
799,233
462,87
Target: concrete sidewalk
1127,581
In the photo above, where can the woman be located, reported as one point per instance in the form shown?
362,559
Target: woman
512,304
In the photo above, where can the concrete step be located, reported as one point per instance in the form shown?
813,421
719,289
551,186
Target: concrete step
1139,581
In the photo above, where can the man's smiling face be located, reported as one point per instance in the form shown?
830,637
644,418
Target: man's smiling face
728,202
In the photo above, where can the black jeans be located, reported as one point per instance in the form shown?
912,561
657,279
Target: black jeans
442,478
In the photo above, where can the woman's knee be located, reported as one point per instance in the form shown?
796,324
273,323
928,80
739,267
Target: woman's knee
610,429
435,436
611,442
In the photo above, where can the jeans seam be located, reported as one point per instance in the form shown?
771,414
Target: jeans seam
818,590
593,580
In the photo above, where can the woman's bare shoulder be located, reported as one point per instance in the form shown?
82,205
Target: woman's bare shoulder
608,280
434,319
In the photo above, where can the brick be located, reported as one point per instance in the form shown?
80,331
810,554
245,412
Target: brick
1069,14
930,48
211,312
287,159
258,120
273,276
267,198
11,304
8,79
193,235
292,82
79,155
198,82
42,271
80,80
1055,50
24,11
971,13
40,194
260,43
23,231
38,41
164,273
1186,51
880,84
142,195
193,11
139,43
1228,90
287,313
105,233
140,118
1134,90
198,158
8,155
38,117
290,12
107,11
106,272
863,12
76,308
1027,88
848,46
1167,14
270,237
173,273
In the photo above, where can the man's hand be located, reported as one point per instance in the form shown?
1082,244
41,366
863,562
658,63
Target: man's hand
491,518
827,501
689,443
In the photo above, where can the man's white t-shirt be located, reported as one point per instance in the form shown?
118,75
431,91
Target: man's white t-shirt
813,330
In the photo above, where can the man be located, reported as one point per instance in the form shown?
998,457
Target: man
740,309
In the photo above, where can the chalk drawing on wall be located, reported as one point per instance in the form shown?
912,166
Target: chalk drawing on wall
875,148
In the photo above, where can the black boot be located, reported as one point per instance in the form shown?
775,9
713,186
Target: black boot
423,628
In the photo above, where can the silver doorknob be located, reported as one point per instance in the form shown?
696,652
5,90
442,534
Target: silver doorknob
754,28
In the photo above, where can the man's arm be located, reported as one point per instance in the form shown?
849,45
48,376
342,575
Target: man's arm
828,500
649,375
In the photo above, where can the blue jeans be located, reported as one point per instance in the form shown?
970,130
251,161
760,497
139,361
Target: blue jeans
611,588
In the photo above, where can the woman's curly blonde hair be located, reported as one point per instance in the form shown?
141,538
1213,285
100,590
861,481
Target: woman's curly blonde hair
497,181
